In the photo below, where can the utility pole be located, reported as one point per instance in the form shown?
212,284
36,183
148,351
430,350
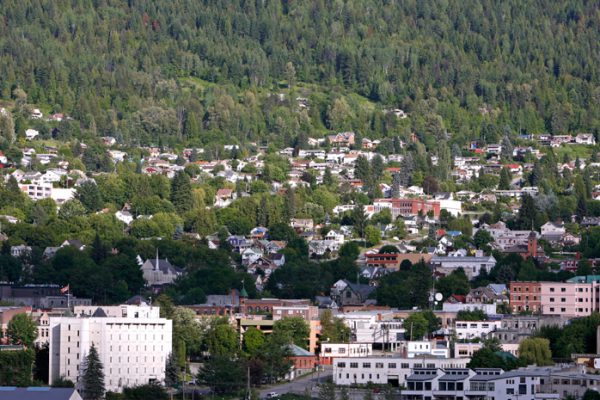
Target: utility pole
248,393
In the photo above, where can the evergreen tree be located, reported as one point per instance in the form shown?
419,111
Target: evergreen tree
397,145
396,183
290,204
528,214
505,179
89,195
7,126
507,148
98,249
362,169
181,192
262,218
377,167
360,220
92,379
328,177
171,371
407,168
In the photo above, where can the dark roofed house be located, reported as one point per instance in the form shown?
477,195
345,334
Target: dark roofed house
38,393
346,293
485,295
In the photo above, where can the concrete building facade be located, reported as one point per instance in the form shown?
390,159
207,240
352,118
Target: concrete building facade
132,348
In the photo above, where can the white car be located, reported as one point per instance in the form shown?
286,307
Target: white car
272,395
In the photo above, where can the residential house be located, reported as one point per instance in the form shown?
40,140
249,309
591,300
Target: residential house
20,251
552,231
73,243
239,243
336,236
260,232
585,138
302,224
323,248
346,293
342,139
278,259
485,295
250,255
31,134
224,197
124,216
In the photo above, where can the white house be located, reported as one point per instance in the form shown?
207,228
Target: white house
553,231
36,114
585,138
124,216
133,344
31,134
336,236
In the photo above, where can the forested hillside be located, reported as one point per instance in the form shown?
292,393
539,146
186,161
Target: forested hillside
206,71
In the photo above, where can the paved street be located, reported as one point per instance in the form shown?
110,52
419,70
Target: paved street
301,384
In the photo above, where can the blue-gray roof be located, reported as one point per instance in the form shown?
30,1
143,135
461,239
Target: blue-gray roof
298,351
38,393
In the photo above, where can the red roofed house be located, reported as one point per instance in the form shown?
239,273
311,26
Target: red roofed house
515,168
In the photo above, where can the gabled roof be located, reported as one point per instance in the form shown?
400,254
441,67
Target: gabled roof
361,289
165,266
99,313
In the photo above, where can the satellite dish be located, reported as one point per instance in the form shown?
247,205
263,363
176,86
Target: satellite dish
438,296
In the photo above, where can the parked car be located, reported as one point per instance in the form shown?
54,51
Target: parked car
272,395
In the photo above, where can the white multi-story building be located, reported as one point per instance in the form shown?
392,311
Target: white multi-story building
420,348
471,265
330,351
475,329
386,370
133,344
531,383
375,327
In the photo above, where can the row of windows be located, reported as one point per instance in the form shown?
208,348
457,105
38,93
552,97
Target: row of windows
381,365
362,376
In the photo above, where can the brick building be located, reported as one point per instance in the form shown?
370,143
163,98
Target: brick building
406,207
